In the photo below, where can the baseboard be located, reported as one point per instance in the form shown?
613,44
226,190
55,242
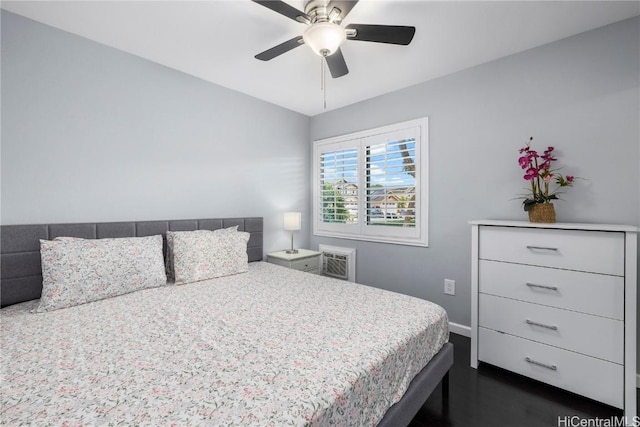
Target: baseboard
463,330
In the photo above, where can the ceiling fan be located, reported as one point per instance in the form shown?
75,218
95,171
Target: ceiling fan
325,35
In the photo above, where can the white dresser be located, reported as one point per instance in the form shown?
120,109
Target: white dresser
557,303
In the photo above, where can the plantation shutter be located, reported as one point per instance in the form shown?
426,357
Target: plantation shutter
390,171
339,184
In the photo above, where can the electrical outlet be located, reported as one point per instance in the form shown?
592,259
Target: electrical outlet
449,287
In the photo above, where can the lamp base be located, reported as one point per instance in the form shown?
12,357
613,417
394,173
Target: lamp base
291,251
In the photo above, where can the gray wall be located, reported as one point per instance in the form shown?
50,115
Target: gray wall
90,133
580,95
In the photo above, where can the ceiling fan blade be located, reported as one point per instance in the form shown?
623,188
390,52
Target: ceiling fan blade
344,6
285,9
392,34
337,65
280,49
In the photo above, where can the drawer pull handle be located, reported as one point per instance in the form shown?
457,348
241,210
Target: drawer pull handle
544,365
535,285
542,325
541,248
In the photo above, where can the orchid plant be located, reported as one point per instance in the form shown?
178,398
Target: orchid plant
539,173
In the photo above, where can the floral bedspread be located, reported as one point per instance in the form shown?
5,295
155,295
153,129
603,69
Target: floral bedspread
271,347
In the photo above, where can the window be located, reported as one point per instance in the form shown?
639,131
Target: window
372,185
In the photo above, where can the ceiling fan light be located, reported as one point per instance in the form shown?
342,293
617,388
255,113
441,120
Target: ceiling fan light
324,38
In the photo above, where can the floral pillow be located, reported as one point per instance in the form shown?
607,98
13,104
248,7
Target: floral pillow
170,234
76,271
203,254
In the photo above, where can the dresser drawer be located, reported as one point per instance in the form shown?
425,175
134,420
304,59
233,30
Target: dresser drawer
591,251
588,376
591,335
598,294
310,265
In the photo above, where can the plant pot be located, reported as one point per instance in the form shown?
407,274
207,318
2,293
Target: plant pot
542,212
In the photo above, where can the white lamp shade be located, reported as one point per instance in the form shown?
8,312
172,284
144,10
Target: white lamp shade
292,221
324,38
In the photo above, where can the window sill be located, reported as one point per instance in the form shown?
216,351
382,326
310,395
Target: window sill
420,242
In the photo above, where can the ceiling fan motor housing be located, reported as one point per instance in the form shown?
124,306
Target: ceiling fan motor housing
318,12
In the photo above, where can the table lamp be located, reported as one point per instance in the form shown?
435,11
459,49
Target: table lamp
292,222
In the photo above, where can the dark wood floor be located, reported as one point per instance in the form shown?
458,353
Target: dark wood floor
493,397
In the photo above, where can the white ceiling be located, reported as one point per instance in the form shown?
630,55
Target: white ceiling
217,40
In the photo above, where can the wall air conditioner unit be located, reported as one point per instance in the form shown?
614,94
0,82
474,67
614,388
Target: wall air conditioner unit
335,265
338,262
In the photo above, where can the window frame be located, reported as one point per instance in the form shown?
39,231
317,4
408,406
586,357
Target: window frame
411,236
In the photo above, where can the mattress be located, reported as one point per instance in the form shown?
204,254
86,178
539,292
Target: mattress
272,346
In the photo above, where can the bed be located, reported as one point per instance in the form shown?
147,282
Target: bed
269,346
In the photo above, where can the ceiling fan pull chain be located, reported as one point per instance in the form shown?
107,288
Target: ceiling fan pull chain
324,84
321,73
325,98
323,81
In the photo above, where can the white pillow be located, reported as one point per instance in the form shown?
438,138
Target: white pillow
203,254
76,271
169,258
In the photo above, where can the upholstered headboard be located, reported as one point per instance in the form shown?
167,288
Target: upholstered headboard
20,269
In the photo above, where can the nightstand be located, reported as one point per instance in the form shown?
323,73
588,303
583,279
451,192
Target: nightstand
304,260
